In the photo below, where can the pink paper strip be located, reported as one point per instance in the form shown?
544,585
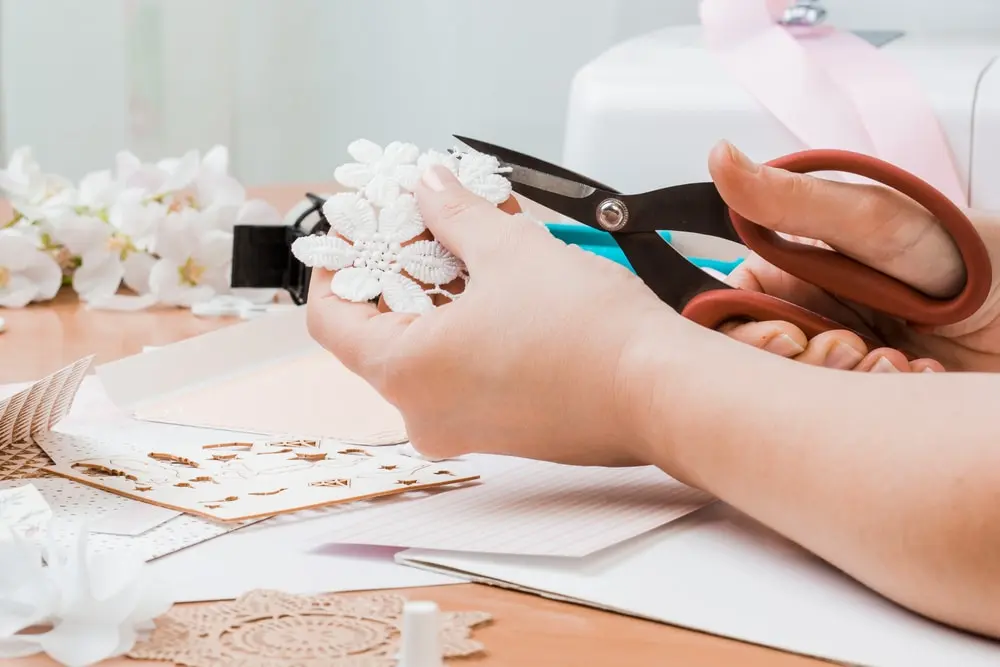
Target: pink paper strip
893,108
832,89
773,67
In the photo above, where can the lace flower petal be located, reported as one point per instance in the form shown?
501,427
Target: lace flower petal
398,153
400,221
382,190
351,216
433,157
354,175
408,176
327,252
356,284
402,295
430,263
365,151
483,175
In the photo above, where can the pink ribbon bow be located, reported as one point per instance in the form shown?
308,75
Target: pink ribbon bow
832,89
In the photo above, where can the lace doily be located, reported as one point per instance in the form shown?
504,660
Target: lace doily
273,629
378,244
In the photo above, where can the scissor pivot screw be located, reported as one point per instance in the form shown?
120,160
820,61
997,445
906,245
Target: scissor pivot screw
612,214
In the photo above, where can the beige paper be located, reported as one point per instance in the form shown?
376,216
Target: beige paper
240,481
266,376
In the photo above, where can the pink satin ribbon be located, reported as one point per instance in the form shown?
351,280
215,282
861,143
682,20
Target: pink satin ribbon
832,89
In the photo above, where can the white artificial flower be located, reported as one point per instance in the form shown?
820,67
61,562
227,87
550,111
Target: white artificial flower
112,252
213,185
157,180
86,607
98,191
371,261
380,174
195,259
477,172
32,193
27,274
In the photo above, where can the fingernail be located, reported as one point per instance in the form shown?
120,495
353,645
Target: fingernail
784,345
883,365
437,177
928,370
742,160
842,356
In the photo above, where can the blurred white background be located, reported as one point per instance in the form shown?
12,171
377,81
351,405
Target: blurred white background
286,84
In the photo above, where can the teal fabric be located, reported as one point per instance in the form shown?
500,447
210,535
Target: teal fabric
601,243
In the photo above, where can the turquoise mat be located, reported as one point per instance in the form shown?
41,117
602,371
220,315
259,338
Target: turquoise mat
601,243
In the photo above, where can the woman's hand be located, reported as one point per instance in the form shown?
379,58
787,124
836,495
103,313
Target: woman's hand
534,359
879,227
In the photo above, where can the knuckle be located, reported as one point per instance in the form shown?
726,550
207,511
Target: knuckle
457,209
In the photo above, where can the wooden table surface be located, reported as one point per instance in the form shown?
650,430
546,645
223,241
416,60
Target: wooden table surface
527,630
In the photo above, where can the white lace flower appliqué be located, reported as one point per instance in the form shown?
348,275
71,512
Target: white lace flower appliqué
381,174
479,173
374,253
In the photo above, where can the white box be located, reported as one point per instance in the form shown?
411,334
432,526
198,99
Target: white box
646,113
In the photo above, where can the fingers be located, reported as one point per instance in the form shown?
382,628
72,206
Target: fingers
781,338
875,225
356,333
842,350
468,225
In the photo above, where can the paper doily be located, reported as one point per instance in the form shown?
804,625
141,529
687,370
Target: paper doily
274,629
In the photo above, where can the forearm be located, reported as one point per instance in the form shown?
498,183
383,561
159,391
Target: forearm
893,478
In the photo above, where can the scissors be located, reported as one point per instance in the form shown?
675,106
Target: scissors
635,222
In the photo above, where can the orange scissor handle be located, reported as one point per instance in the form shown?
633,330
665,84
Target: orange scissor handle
849,279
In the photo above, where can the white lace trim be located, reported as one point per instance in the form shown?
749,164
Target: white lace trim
373,244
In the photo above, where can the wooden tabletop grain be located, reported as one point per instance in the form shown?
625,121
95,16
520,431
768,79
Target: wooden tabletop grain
527,630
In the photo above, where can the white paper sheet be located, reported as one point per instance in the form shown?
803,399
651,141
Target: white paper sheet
132,519
719,572
286,554
535,508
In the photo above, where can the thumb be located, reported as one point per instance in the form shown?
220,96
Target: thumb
873,224
466,224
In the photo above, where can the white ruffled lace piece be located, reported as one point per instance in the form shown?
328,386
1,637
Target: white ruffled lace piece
371,245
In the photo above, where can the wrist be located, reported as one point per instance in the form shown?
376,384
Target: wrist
660,372
697,394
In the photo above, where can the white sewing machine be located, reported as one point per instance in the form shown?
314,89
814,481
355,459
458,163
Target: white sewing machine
646,113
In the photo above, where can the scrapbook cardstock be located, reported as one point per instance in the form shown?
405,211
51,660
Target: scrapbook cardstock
245,480
266,376
31,412
533,508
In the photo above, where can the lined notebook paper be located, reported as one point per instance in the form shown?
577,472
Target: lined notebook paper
532,509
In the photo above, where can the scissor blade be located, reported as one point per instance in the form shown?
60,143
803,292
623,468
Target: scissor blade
548,182
512,158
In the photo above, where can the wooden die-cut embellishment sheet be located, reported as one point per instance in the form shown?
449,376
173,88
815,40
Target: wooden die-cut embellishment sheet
238,481
32,412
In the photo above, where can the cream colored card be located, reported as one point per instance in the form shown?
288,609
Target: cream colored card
266,376
239,481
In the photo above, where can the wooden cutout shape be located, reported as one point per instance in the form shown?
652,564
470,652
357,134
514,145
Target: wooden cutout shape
259,484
